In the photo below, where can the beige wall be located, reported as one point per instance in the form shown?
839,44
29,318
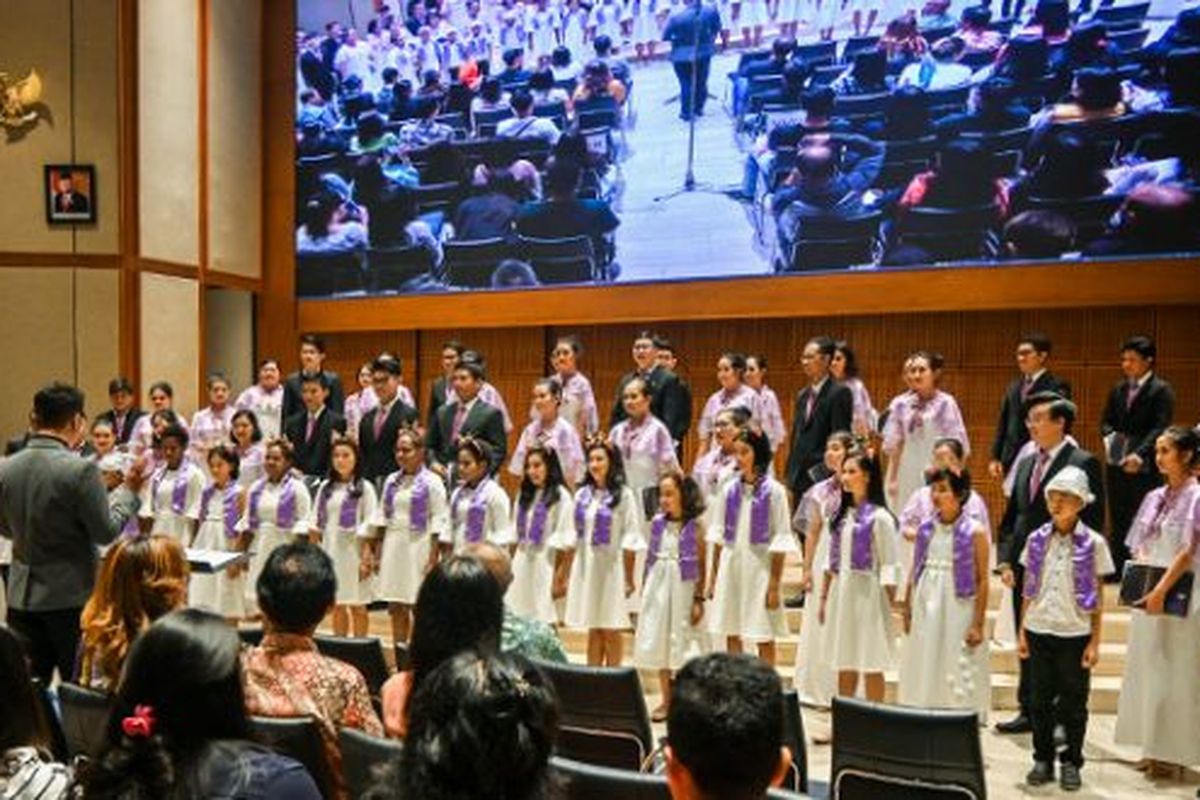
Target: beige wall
67,42
60,324
168,130
229,333
170,334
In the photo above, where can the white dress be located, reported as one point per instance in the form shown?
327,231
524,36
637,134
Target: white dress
159,496
744,571
218,592
574,28
596,590
645,21
487,494
937,669
533,565
405,551
665,637
1159,707
543,31
860,616
816,679
343,541
606,21
753,13
268,534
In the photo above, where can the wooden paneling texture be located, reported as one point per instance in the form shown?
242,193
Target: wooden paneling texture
978,347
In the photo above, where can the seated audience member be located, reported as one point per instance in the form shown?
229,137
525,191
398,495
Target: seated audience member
355,100
963,176
524,636
386,95
460,607
514,71
1024,60
513,274
432,87
1069,167
544,92
179,728
141,579
603,47
1088,46
26,767
491,97
372,137
1038,234
725,729
491,213
325,227
781,53
817,105
285,676
1184,33
975,32
935,16
905,116
393,211
563,66
795,78
939,68
563,214
901,41
525,125
315,141
1180,89
994,111
1153,219
483,725
424,130
403,104
1096,95
598,83
313,108
444,163
866,75
1051,21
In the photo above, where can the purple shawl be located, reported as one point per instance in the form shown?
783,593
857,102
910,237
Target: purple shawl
285,512
179,487
689,547
347,515
1083,564
964,553
229,506
532,533
476,511
602,527
860,542
760,512
418,503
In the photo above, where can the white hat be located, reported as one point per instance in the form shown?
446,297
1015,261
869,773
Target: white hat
1071,480
115,462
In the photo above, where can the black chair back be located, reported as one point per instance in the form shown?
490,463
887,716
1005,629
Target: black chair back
299,738
309,170
554,111
583,781
943,101
1130,40
860,105
1120,18
536,151
858,44
793,737
911,149
603,717
437,196
825,75
567,260
401,654
934,34
471,263
1003,26
885,751
487,120
84,718
816,53
455,119
364,654
390,268
1090,215
46,706
752,57
977,60
252,637
326,274
363,758
950,234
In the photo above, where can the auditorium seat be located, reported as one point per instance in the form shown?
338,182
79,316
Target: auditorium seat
826,74
487,120
885,751
950,234
830,243
857,107
1090,215
309,170
946,101
858,44
442,197
977,60
299,738
934,34
363,757
584,781
816,54
568,260
1003,26
1132,39
327,274
401,654
553,111
793,737
470,264
363,653
456,120
391,269
84,718
1121,18
602,715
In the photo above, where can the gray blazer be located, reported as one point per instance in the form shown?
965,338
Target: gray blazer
54,507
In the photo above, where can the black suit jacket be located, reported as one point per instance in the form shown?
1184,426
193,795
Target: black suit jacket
75,204
1142,422
483,422
1024,514
833,411
312,455
1011,433
379,455
437,399
131,418
293,404
670,401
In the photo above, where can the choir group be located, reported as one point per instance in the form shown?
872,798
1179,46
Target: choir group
607,528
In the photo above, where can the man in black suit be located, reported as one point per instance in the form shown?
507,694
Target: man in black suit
1011,434
123,414
312,361
1050,417
1139,409
311,431
317,76
467,415
378,428
668,400
66,199
439,393
664,356
822,407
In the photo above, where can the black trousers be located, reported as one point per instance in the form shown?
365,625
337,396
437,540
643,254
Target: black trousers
1060,693
684,72
52,638
1023,695
1125,495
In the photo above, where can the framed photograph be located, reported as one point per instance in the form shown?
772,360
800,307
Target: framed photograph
70,193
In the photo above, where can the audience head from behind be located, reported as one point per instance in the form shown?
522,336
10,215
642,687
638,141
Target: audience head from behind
562,179
1097,89
994,97
964,175
1070,166
514,58
23,723
1026,58
976,18
322,211
371,127
869,71
817,104
426,108
906,115
540,81
1038,234
58,411
522,103
1054,18
560,57
947,50
781,49
514,274
490,90
1182,76
602,45
725,729
296,588
1088,45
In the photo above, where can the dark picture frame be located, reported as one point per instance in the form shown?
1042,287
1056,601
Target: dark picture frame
75,202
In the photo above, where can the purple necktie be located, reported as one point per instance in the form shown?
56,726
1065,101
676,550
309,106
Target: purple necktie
460,416
381,415
1035,478
312,426
1131,393
1026,387
812,401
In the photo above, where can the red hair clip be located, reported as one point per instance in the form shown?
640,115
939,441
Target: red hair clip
141,724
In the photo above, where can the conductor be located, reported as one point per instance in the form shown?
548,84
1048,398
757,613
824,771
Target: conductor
692,32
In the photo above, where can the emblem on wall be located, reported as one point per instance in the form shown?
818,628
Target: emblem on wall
20,104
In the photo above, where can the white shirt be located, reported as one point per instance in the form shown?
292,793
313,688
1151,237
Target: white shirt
528,128
1054,612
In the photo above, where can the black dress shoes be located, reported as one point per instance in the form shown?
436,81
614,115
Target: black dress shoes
1018,724
1041,774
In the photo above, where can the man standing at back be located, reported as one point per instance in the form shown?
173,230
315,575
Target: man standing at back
54,507
692,33
1012,434
312,362
666,397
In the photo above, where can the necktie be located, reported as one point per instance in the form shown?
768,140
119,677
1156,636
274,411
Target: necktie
460,416
1026,387
381,415
812,402
1035,477
119,424
1131,393
312,426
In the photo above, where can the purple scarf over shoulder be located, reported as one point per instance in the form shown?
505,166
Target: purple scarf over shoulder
418,503
860,542
760,512
689,547
285,513
1083,564
179,487
964,553
602,527
476,511
229,506
347,515
532,533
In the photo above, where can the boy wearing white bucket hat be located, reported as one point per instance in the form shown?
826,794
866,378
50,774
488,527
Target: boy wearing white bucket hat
1064,562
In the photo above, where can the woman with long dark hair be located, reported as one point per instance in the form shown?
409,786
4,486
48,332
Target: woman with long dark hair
26,769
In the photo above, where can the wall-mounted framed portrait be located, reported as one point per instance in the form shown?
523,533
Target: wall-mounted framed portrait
70,193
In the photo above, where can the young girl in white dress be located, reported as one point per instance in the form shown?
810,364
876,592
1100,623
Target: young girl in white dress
210,426
844,368
608,537
605,20
277,509
543,520
222,504
945,660
646,30
343,510
787,17
247,440
860,583
770,414
478,506
412,514
544,26
669,628
731,367
171,503
1160,696
510,26
751,18
548,429
574,33
816,678
750,529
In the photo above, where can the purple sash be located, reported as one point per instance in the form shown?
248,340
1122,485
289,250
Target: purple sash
418,503
760,512
347,514
179,488
689,547
602,527
285,512
476,511
229,509
532,533
860,542
964,553
1083,564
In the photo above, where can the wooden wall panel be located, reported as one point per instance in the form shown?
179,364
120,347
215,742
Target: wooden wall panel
347,352
96,123
170,336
